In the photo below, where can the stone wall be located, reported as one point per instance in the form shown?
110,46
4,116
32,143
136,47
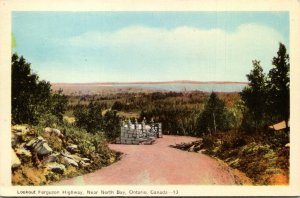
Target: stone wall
139,133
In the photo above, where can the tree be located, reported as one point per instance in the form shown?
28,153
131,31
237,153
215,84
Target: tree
59,104
28,93
32,98
213,117
90,117
254,96
111,125
279,86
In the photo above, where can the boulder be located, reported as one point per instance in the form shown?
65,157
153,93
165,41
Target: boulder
53,131
69,161
31,143
39,145
202,151
56,167
73,148
76,158
15,161
191,149
84,164
52,158
86,160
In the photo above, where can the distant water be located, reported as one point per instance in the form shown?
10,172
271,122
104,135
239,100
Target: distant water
188,87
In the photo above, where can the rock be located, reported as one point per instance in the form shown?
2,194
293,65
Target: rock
15,161
52,158
191,149
56,167
20,130
43,149
86,159
84,164
53,131
20,133
202,151
23,152
73,148
30,143
69,161
39,146
76,158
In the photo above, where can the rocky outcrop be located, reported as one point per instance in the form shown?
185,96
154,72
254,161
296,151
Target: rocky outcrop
39,146
42,155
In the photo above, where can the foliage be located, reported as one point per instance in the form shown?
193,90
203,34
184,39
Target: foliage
259,157
111,125
31,98
90,117
176,120
117,106
267,99
214,116
92,146
59,104
279,86
177,111
254,96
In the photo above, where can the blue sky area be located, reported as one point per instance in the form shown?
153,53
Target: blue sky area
148,46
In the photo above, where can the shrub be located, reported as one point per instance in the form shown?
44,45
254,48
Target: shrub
111,125
90,117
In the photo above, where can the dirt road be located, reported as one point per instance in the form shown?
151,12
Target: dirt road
161,164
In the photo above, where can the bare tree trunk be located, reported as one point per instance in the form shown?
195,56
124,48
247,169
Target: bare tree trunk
215,127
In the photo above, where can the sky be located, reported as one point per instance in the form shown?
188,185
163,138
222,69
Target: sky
79,47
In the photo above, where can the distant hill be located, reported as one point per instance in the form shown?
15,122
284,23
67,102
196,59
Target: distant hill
153,82
149,86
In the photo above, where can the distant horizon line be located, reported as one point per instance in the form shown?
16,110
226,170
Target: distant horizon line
151,82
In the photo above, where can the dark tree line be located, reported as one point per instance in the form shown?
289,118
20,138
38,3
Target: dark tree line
267,97
33,98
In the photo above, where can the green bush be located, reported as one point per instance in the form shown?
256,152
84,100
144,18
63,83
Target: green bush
89,117
111,125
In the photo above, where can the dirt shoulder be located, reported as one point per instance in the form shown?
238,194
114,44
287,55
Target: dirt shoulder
161,164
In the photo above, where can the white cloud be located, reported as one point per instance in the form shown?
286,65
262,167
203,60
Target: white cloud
182,53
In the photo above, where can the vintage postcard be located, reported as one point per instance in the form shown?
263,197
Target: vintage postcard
150,98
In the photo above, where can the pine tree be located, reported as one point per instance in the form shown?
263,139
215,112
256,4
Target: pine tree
213,117
279,86
254,95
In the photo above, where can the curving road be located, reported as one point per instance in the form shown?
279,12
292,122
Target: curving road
161,164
